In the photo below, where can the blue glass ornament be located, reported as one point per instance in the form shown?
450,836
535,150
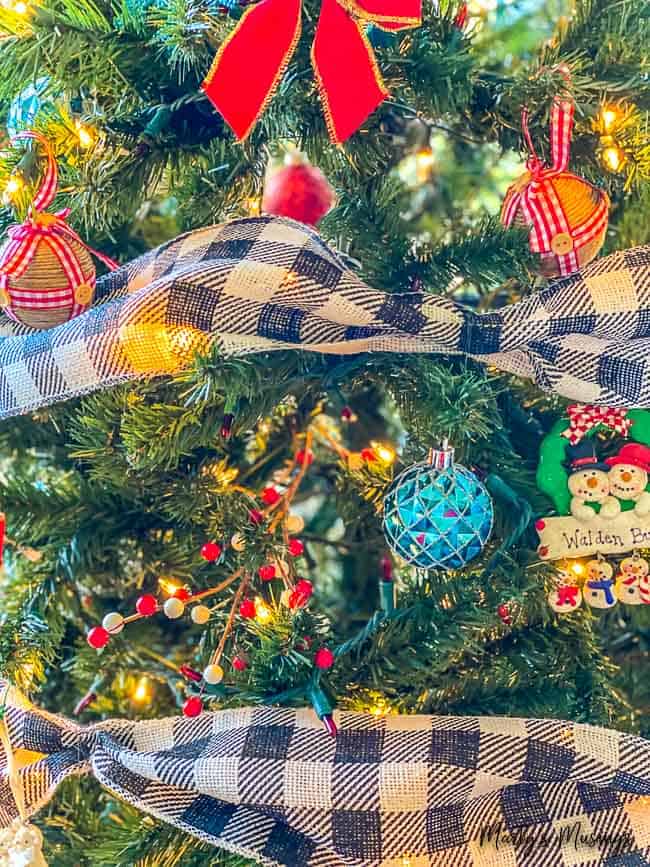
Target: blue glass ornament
438,514
26,105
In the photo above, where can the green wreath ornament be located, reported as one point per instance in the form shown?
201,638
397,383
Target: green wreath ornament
552,474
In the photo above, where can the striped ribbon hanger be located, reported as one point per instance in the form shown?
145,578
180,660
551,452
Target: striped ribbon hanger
48,228
538,200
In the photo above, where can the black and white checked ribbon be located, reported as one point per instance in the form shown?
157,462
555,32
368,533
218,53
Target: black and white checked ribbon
268,283
394,791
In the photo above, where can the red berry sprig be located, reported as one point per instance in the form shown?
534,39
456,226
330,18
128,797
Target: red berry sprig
324,658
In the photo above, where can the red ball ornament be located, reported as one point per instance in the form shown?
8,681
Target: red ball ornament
298,190
239,663
504,613
211,551
271,496
247,609
324,658
98,637
266,573
146,605
296,548
193,706
304,457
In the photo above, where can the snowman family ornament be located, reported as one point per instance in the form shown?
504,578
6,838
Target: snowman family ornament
595,467
599,587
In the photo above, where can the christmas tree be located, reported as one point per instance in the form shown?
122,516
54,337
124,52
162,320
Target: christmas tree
211,520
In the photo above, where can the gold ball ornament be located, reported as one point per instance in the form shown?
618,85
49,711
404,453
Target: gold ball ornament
200,614
579,200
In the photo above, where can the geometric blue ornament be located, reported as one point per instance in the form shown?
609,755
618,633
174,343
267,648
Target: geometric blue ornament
26,105
438,514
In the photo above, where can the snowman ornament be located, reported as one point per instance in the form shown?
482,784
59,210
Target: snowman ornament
628,476
589,483
598,589
566,596
632,583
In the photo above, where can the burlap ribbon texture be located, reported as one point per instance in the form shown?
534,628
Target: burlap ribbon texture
271,784
269,283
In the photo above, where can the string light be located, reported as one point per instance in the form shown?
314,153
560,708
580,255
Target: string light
14,185
577,568
142,691
86,138
169,585
608,117
613,157
262,612
18,7
385,454
254,206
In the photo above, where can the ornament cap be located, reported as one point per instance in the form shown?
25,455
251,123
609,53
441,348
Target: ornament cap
443,457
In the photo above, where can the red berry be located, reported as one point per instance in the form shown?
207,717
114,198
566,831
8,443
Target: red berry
211,551
271,496
296,548
255,517
304,643
239,664
304,457
182,593
504,613
193,706
98,637
324,658
247,609
301,594
146,605
266,573
539,525
542,550
190,674
368,455
346,413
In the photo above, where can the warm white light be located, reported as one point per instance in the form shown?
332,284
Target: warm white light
86,138
13,185
169,585
262,612
613,157
142,692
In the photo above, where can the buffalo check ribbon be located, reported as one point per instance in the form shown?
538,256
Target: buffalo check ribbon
585,417
51,229
269,784
538,199
250,63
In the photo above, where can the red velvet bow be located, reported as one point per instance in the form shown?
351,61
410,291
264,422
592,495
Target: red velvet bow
583,417
251,62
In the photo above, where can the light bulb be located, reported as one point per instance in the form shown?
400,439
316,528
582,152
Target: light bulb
14,185
142,691
262,612
385,454
608,117
577,568
613,157
169,585
21,8
86,139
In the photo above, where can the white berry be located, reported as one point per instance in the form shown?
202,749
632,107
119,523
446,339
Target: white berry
113,623
200,614
238,543
213,674
173,608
